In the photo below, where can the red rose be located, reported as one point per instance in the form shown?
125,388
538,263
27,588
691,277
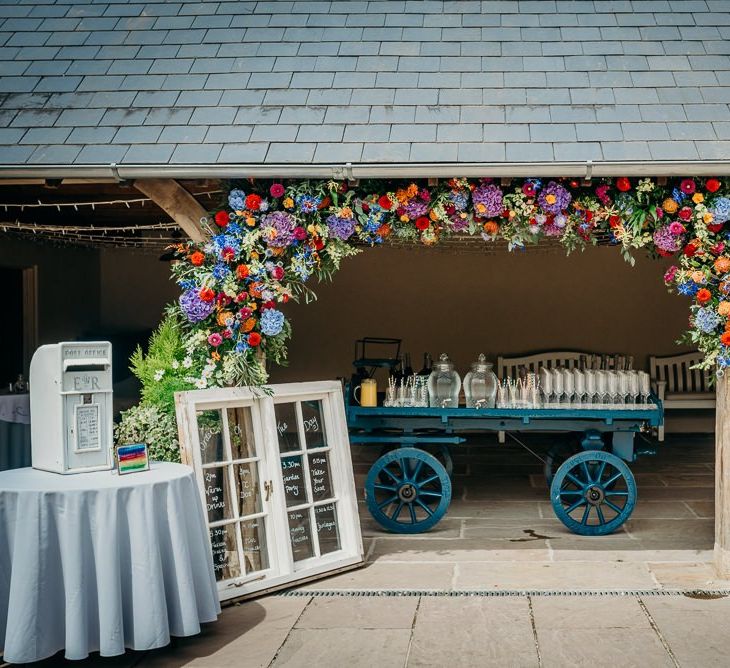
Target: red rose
222,300
267,305
241,272
703,296
450,209
713,227
246,313
227,254
221,219
685,213
614,221
254,339
277,273
227,334
284,298
253,202
300,234
690,250
240,297
385,203
197,258
365,208
589,216
422,223
318,243
623,184
207,295
713,185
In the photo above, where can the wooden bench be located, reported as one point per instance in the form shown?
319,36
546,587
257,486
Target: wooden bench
510,366
678,386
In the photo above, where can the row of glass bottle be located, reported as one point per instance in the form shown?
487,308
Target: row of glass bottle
549,388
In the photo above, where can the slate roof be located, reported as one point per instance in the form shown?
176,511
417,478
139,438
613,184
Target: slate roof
366,82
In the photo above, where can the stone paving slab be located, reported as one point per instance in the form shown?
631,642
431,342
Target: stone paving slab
369,613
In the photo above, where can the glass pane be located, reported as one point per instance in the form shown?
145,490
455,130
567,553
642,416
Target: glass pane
248,489
210,433
327,532
300,533
292,473
225,554
286,427
319,472
217,494
253,539
240,430
313,424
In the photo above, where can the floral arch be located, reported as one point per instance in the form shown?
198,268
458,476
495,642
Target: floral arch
268,239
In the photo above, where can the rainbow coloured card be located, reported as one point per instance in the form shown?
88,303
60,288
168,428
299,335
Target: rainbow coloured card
132,458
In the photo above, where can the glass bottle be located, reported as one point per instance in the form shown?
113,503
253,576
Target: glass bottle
444,384
480,384
427,364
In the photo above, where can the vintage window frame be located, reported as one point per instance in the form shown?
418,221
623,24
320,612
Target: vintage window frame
282,570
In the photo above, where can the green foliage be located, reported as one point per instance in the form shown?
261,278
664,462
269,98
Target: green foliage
147,423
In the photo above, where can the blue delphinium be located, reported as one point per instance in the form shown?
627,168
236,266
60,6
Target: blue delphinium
707,320
688,288
220,271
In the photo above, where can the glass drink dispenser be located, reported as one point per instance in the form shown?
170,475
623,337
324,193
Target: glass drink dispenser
71,407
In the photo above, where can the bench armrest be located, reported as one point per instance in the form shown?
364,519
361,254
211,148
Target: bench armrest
660,388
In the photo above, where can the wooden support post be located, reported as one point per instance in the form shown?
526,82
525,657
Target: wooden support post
178,203
722,478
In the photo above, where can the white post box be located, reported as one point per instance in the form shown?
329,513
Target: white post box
71,407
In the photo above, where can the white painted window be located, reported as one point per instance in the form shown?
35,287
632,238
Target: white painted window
275,476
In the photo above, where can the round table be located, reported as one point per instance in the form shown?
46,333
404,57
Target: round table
100,562
14,431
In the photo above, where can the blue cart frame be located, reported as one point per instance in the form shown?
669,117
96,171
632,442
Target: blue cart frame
408,489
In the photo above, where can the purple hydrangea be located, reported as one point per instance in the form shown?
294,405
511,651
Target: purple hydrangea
340,228
416,208
490,196
459,224
666,241
278,228
194,308
553,198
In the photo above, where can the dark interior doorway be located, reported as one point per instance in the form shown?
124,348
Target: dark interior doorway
11,329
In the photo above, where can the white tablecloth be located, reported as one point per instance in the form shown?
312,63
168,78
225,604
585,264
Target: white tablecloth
15,408
100,562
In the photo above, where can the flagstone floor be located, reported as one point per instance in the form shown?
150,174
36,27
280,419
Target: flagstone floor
500,535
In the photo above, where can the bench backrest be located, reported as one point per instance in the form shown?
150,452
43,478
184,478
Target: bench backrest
509,366
676,371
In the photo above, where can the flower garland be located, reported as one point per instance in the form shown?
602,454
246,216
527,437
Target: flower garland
270,238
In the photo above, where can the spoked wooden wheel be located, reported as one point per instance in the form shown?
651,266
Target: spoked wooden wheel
438,450
593,493
407,490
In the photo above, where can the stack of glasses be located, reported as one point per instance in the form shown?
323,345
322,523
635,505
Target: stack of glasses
407,392
595,389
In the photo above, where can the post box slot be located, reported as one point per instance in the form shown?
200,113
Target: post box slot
74,366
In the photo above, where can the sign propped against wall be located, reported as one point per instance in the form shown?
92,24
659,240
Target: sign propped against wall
275,476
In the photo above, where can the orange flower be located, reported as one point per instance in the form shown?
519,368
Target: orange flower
241,272
723,308
223,316
255,289
216,356
708,217
698,198
412,190
697,276
703,296
433,215
722,264
288,203
669,205
384,230
491,228
249,324
197,258
725,339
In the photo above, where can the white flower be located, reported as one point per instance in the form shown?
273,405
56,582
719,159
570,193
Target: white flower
175,364
159,373
187,362
201,383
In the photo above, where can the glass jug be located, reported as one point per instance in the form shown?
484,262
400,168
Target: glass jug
480,384
444,384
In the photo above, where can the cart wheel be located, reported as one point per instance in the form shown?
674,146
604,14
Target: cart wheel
438,450
416,494
593,493
556,456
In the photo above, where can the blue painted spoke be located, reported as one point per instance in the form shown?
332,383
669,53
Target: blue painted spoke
577,504
601,518
428,480
616,493
612,479
600,472
392,475
387,488
586,514
417,470
412,511
613,506
425,507
584,465
425,492
574,480
388,501
572,492
396,512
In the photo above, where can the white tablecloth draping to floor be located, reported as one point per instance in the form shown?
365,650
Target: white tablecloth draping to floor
100,562
14,431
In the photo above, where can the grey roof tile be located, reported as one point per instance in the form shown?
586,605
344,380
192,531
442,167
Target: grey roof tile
196,153
434,152
481,152
290,152
347,152
149,153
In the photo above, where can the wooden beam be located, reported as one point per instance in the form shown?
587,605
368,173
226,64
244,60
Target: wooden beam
722,478
178,203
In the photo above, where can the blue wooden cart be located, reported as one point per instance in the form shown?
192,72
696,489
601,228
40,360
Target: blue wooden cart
593,492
